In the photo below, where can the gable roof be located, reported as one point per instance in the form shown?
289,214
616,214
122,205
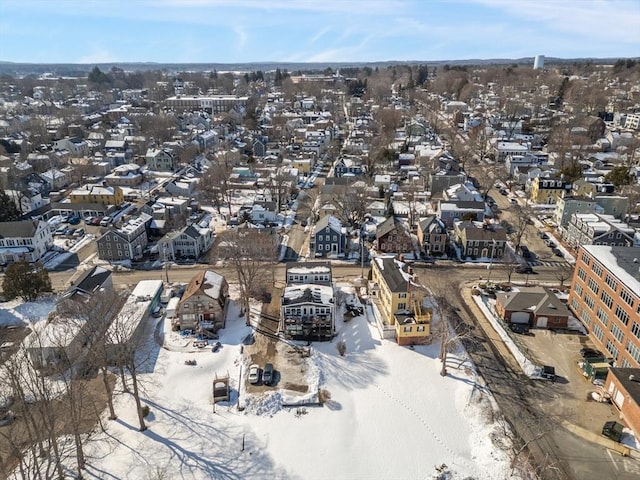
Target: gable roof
207,283
538,300
388,225
392,274
328,221
18,229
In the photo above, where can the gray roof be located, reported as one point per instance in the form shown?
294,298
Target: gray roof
388,225
91,280
392,274
19,229
537,300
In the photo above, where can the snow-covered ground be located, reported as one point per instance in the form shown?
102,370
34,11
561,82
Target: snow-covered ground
390,413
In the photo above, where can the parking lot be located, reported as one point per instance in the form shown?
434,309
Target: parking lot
569,397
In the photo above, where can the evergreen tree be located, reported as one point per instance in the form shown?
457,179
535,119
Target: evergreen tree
8,210
26,281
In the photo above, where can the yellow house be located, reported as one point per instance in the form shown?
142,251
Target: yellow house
303,164
399,300
99,193
546,190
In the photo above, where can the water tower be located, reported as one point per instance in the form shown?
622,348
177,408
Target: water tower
538,62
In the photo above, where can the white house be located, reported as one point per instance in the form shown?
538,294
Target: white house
25,239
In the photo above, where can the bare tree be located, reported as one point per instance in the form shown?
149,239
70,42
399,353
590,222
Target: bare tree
449,329
351,207
563,273
252,252
522,216
214,186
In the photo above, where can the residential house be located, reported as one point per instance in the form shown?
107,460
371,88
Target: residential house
547,190
127,242
188,242
479,241
309,272
161,159
89,283
594,229
392,236
24,240
264,212
442,179
623,387
102,194
307,312
398,302
329,237
203,306
75,146
126,175
348,166
502,150
568,205
605,296
534,306
452,211
433,236
54,179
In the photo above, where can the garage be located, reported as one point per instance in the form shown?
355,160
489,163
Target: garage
520,317
541,322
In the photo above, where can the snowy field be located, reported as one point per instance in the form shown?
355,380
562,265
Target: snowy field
390,414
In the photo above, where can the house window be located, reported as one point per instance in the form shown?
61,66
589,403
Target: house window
606,299
613,285
622,315
612,349
585,259
588,300
597,269
597,332
407,329
602,316
593,286
582,274
627,297
402,306
616,332
420,328
633,350
578,289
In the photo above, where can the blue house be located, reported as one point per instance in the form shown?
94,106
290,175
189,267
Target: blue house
329,237
346,166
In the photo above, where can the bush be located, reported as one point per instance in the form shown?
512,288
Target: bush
145,411
342,347
324,396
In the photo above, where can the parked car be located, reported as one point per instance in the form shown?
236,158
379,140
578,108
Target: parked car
513,201
267,374
216,347
254,374
60,231
546,372
105,221
520,328
96,221
557,252
79,233
89,220
74,220
524,269
613,430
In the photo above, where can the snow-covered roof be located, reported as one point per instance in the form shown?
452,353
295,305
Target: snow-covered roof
307,293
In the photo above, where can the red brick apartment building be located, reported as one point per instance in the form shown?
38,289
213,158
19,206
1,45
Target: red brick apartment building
605,296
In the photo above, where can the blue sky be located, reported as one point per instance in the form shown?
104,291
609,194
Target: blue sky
95,31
